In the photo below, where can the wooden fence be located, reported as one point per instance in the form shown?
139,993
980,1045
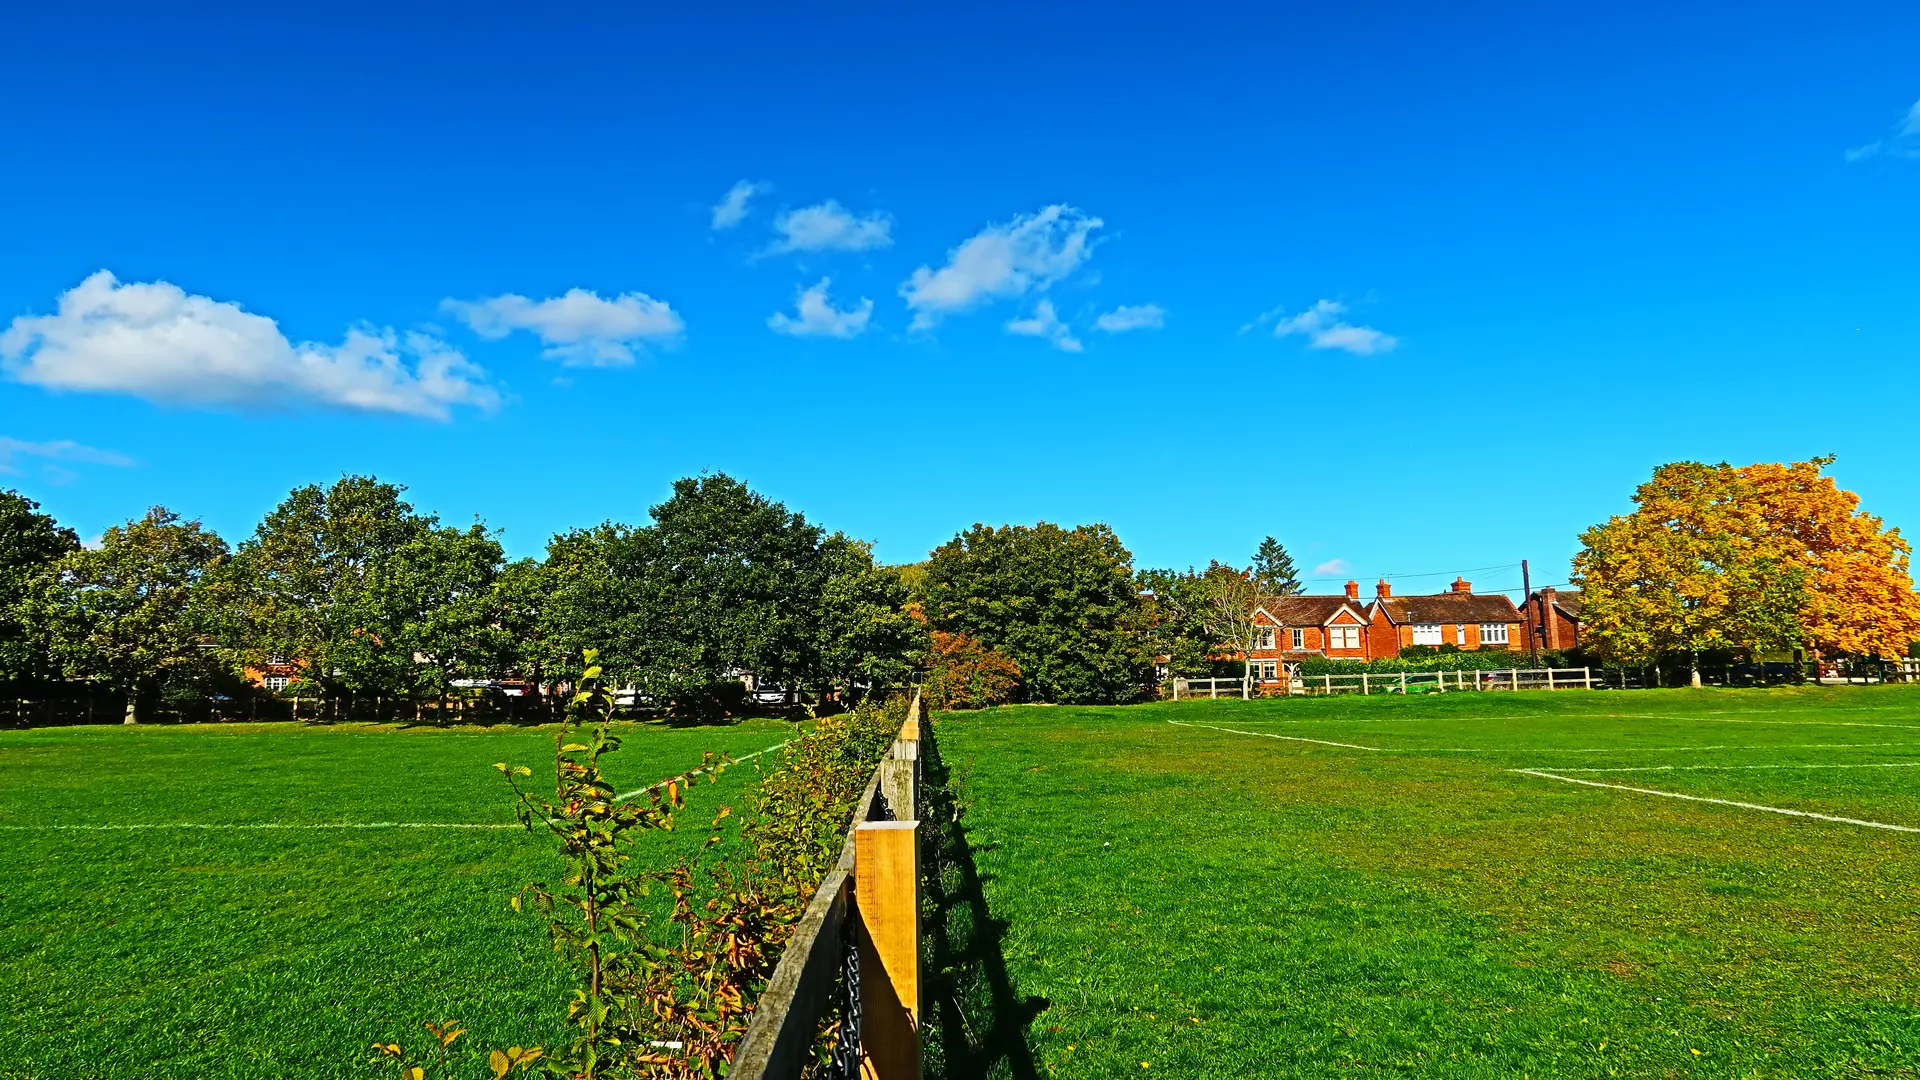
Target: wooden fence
858,938
1401,682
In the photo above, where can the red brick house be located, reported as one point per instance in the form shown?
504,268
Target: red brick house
1456,617
1553,618
1296,627
1293,628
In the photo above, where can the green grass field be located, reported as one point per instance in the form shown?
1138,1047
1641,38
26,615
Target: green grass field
131,946
1194,901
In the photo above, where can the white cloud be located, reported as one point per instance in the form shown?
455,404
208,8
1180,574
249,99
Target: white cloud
12,450
1125,318
731,210
579,329
817,317
1029,253
1331,568
1903,142
830,227
1323,328
1045,323
155,341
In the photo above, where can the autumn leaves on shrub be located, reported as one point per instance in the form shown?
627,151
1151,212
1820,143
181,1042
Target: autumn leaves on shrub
962,673
668,994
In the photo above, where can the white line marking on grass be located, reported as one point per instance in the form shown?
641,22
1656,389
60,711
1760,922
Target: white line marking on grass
264,825
1346,720
1529,750
1692,768
699,772
1779,723
1268,735
1720,802
1664,749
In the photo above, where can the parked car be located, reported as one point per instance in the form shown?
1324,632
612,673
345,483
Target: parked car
770,693
1768,672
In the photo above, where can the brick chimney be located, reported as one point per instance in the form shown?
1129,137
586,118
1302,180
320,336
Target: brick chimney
1383,590
1462,585
1353,590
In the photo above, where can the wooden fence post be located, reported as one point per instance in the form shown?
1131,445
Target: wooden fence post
897,786
1363,684
886,889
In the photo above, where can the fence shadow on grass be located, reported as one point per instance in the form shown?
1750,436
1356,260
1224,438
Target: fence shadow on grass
980,1025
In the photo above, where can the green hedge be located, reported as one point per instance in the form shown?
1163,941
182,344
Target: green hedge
1473,660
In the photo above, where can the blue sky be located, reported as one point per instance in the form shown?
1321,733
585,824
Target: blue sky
1415,290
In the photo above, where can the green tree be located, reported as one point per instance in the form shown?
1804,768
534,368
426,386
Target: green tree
1060,602
1172,605
520,634
437,592
362,593
136,611
725,582
1273,570
729,582
865,634
30,544
1690,570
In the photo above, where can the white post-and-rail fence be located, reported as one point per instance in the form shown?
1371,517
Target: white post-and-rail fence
1398,682
864,920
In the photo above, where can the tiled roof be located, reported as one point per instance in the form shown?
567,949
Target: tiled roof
1568,603
1310,610
1449,608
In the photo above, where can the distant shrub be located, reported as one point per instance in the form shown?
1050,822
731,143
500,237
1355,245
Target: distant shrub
1414,652
963,673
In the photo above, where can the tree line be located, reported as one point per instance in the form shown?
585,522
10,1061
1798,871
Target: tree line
361,596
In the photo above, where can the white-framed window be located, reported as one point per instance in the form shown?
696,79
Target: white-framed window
1265,670
1343,637
1426,633
1264,639
275,682
1493,633
1299,638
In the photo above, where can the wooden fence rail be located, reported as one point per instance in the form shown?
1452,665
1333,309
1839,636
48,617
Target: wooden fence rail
1400,682
868,906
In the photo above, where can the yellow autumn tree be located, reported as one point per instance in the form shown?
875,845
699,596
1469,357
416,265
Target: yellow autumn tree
1754,559
1859,596
1689,571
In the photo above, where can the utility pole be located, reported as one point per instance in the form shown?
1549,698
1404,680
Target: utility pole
1526,589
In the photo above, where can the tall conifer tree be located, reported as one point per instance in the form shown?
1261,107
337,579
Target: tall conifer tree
1273,570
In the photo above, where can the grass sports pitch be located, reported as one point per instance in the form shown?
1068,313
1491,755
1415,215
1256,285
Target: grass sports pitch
247,901
1586,884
